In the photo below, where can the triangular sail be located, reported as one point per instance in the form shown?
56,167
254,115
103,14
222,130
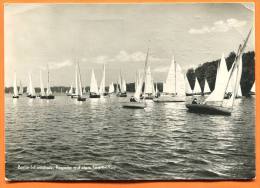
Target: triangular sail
123,86
80,93
76,80
111,88
187,86
169,86
48,92
218,93
103,80
15,86
31,88
197,88
206,87
148,82
20,89
41,85
180,81
71,90
253,88
93,83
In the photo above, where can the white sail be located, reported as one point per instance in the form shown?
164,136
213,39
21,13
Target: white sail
41,85
148,82
187,86
197,88
111,88
218,93
169,86
93,83
253,88
180,81
48,92
76,80
15,86
141,80
80,93
31,88
239,91
71,90
103,80
206,87
123,90
20,89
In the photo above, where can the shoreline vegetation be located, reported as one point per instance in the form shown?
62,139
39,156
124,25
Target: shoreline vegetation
206,70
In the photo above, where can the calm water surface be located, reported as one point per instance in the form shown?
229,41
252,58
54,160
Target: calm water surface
63,139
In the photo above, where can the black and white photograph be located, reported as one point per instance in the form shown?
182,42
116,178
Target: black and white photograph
131,91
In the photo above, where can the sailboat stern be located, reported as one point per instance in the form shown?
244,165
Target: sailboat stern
208,109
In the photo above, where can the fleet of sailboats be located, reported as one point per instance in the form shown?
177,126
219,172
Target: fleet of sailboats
215,103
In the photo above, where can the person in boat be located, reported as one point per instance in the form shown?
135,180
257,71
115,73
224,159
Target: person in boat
132,99
194,101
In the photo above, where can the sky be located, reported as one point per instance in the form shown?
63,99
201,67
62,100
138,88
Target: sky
59,35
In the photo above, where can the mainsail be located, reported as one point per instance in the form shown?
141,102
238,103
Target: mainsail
20,89
93,83
48,92
187,86
197,89
41,85
71,90
111,88
15,86
206,87
149,89
76,80
31,88
253,88
102,83
79,82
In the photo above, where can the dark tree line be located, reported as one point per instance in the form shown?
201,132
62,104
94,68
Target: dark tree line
208,70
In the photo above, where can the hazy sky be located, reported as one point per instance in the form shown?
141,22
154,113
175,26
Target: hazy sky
118,35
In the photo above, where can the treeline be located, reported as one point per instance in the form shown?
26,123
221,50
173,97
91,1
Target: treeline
208,70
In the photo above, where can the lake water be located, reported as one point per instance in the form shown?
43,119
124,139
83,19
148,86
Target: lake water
63,139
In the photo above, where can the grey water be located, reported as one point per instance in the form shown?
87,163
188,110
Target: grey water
63,139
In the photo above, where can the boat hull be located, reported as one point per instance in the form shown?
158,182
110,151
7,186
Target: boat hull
170,99
208,109
121,95
16,97
31,96
81,99
134,105
94,96
74,96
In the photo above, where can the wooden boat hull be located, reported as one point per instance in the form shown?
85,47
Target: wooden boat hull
134,105
81,99
208,109
163,99
50,97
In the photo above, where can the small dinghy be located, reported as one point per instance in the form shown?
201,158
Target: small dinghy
135,101
94,92
208,109
15,95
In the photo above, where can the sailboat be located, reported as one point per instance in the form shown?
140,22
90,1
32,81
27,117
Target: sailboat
111,89
76,93
31,91
157,92
252,91
174,87
206,90
70,92
15,95
149,92
42,94
215,103
94,92
188,89
79,85
197,89
20,89
135,101
122,87
102,88
49,94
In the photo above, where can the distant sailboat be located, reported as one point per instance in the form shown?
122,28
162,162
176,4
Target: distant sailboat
149,92
48,94
42,94
135,101
174,87
157,92
70,92
20,89
94,92
15,90
31,91
76,91
188,89
111,89
102,88
197,89
206,90
252,91
122,87
215,103
79,85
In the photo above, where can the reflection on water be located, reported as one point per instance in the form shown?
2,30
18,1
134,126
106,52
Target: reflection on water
164,141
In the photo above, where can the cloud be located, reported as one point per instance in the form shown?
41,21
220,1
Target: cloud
124,56
57,65
219,26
